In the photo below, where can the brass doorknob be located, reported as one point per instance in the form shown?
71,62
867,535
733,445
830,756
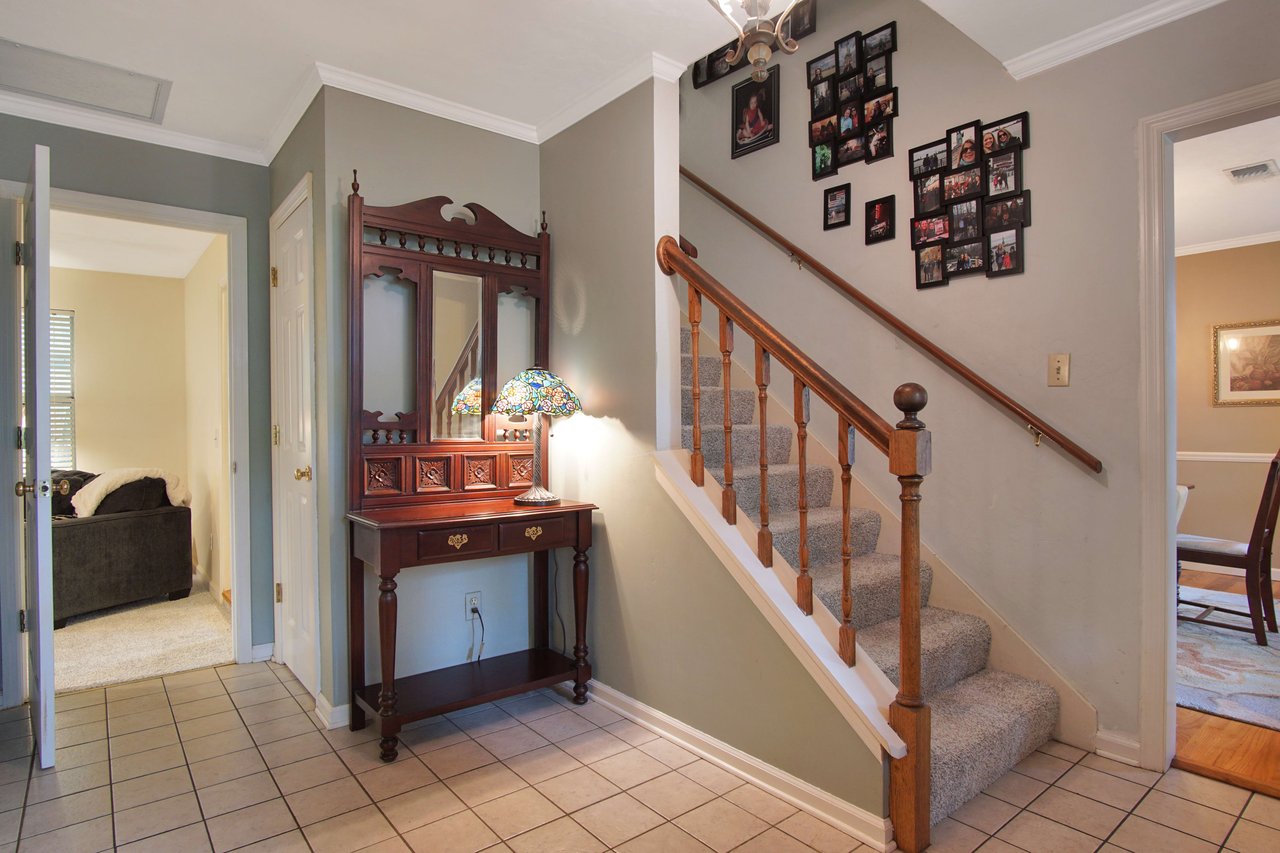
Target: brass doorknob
302,473
22,489
63,488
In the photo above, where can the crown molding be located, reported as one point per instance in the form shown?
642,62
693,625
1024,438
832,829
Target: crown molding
298,104
96,122
653,65
1231,243
412,99
1095,38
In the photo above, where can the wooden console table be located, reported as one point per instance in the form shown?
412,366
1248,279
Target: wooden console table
396,538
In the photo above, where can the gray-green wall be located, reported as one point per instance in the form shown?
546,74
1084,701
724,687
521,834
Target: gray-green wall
669,626
122,168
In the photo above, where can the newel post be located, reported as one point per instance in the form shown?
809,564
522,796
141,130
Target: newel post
909,460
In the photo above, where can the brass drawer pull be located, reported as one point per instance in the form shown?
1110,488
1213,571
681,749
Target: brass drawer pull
457,540
533,533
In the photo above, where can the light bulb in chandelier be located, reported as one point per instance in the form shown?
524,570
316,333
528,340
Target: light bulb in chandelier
758,35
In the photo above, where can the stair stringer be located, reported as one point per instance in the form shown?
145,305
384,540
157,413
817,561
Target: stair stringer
860,693
1010,651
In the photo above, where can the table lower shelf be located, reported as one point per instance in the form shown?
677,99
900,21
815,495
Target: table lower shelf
442,690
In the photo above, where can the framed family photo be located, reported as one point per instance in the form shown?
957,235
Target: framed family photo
1004,252
1006,213
930,229
1246,364
883,40
822,68
928,158
847,57
878,73
824,161
755,115
963,258
929,271
835,207
851,150
962,146
822,99
1004,174
965,224
879,141
880,219
803,21
928,192
1011,132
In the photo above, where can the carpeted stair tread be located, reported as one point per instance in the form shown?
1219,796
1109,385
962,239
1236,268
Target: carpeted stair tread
784,487
953,646
824,534
875,587
712,370
686,339
981,727
742,405
746,444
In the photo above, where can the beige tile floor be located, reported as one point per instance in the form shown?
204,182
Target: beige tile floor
230,759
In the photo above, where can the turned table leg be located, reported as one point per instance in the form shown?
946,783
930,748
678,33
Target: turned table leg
387,646
580,625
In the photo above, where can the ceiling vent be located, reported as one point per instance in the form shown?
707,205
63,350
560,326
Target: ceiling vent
1253,172
53,76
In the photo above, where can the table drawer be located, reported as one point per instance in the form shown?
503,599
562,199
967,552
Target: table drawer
552,532
467,541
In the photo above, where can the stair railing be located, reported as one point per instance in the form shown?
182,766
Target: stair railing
1037,426
907,446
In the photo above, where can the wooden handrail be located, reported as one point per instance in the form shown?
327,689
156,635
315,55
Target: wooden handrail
1037,425
863,418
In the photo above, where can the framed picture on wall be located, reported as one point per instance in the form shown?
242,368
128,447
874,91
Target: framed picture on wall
847,57
965,224
1004,174
755,114
928,194
963,258
1004,252
883,40
803,21
880,219
1007,212
879,141
962,146
929,272
824,161
822,68
1246,364
835,207
822,99
851,150
1011,132
928,158
878,74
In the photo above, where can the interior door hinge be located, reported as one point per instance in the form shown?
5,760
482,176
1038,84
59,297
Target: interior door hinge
22,621
20,432
279,593
17,253
275,277
275,435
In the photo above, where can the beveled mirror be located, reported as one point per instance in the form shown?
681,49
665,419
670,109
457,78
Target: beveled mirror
457,355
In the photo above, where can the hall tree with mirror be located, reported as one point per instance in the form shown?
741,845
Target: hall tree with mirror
447,303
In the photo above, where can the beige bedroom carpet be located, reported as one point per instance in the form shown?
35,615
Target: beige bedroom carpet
142,640
1226,673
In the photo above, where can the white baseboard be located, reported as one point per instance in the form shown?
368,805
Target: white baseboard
331,717
1119,747
867,827
262,652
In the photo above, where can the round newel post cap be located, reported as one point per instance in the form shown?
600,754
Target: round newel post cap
910,399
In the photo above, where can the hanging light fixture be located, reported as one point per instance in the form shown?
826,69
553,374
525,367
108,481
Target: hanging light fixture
757,35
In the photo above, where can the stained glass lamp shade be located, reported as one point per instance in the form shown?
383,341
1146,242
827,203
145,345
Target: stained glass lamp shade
468,400
536,392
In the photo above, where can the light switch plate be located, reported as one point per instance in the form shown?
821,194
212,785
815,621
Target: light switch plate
1059,369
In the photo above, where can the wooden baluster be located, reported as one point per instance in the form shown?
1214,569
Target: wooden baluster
848,636
909,460
382,236
764,540
696,467
422,244
729,497
404,238
439,246
804,583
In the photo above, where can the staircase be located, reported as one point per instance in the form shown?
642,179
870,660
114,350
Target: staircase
983,721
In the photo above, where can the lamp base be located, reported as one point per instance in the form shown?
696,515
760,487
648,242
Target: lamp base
537,496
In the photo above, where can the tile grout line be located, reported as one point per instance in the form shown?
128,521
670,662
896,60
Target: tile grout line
186,763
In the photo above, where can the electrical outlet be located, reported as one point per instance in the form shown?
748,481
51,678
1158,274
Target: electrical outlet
470,600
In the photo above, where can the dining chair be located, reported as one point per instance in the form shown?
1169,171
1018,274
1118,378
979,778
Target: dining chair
1253,556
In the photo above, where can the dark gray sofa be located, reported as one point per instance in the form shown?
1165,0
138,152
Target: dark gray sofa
116,558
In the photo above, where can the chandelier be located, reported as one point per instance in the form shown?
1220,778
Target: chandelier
757,35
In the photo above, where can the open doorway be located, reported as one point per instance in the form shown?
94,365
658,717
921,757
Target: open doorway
1227,304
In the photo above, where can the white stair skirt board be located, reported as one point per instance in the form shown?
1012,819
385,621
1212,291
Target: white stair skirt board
867,827
1118,746
331,717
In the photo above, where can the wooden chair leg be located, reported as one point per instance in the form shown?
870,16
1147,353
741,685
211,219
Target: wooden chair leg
1253,588
1268,594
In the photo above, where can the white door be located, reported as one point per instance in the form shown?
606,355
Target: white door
294,470
39,539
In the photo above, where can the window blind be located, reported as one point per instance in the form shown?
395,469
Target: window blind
62,394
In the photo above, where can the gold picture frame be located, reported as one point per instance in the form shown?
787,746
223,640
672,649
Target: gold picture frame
1246,364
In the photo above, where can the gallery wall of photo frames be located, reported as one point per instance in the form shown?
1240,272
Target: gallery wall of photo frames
971,202
852,101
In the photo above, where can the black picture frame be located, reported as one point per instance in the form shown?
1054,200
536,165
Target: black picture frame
848,120
927,192
1017,126
956,137
820,68
966,220
850,151
968,257
849,88
1008,212
824,130
963,184
878,224
927,230
823,161
881,40
871,83
1004,174
1000,260
849,54
803,21
822,99
768,103
879,141
930,271
716,66
884,106
927,159
836,206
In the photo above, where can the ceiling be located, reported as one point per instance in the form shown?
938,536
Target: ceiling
1211,212
80,241
243,72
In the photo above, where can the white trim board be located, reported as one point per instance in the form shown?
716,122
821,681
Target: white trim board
1118,746
1213,456
332,717
1108,33
867,827
655,65
1232,243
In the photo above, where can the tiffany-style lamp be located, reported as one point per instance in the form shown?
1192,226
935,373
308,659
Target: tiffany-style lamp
468,400
541,393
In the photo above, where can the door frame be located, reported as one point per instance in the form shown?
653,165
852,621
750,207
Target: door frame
1157,391
236,230
301,196
14,679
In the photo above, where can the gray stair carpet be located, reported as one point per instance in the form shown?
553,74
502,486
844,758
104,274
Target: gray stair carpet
984,721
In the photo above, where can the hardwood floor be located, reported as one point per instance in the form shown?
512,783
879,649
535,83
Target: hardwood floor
1227,750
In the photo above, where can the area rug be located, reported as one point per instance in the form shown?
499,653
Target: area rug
142,640
1226,673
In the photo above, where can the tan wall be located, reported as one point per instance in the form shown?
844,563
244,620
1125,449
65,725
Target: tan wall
131,399
206,379
1232,286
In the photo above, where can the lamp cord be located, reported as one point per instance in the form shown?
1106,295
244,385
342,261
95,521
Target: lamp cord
480,616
